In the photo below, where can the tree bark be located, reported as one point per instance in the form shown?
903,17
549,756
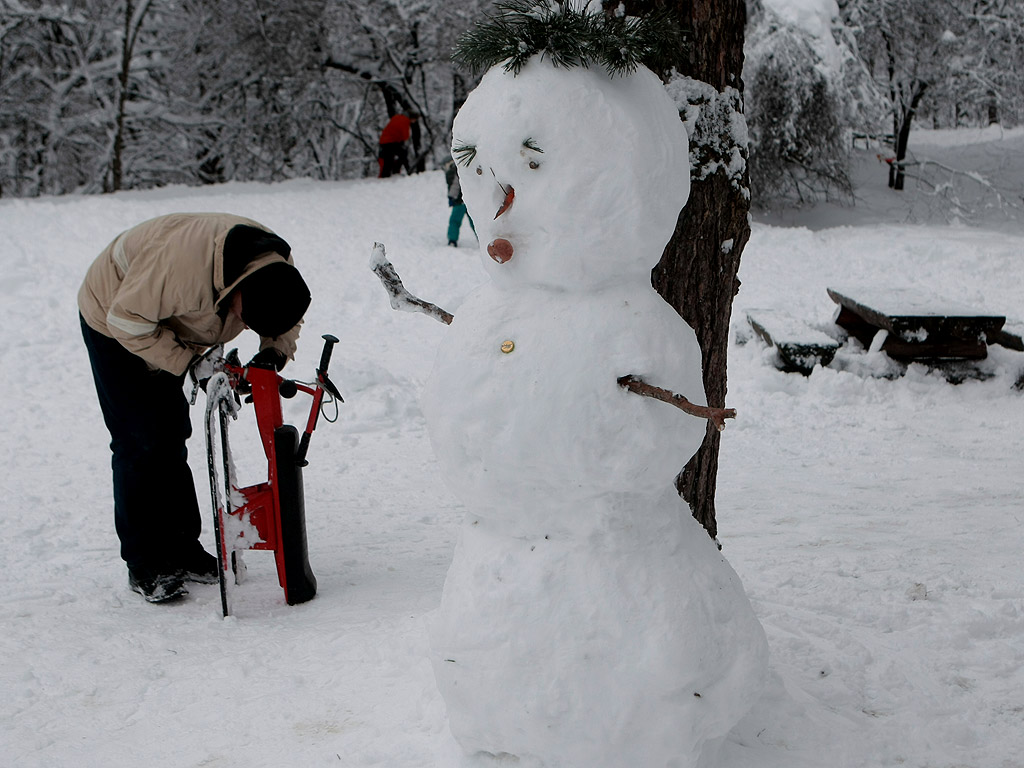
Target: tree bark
116,166
133,18
897,171
697,274
698,277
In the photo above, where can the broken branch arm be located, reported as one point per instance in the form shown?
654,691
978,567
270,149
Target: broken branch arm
716,416
400,297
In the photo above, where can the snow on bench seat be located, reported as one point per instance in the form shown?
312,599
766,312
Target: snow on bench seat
800,346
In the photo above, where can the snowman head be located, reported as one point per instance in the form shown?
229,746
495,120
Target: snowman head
574,178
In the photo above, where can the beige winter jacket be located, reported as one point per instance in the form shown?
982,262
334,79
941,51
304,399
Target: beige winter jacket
158,288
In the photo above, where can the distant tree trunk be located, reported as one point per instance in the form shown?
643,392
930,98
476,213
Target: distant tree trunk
993,108
417,163
133,16
116,167
904,107
697,274
902,120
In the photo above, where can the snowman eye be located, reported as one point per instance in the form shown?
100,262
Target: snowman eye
479,171
529,145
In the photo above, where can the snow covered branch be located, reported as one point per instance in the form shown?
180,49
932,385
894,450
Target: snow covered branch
400,297
962,203
716,416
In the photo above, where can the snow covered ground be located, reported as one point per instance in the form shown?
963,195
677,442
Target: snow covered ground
875,523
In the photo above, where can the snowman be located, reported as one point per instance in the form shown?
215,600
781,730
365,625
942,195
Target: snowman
587,621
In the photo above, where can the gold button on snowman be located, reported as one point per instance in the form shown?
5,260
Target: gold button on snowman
507,346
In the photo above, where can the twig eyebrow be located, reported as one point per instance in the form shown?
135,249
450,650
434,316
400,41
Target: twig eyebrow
464,154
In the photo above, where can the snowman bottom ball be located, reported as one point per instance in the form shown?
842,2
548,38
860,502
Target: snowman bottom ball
629,646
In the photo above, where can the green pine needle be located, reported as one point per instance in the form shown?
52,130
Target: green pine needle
569,37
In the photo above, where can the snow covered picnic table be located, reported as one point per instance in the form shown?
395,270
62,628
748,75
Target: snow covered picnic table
916,326
908,325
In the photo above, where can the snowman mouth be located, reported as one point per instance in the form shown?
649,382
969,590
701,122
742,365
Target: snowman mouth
500,250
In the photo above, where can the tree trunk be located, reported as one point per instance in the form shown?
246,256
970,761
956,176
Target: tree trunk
904,120
894,165
897,172
116,161
418,163
697,274
904,132
133,17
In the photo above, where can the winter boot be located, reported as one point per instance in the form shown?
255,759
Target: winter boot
156,588
201,567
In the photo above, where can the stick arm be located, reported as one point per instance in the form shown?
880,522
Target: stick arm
716,416
401,299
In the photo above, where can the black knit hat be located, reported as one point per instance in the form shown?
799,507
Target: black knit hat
274,299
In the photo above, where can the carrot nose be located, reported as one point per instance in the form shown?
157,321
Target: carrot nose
507,202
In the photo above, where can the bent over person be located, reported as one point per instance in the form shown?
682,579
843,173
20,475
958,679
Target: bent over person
155,298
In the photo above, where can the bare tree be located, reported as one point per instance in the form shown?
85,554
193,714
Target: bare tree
389,56
248,91
101,95
133,14
57,96
78,82
924,54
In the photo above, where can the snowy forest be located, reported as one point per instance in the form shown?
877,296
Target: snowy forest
103,95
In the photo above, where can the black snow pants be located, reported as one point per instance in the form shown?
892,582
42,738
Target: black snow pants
156,513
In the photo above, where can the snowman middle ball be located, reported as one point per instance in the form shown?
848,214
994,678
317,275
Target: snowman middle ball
587,174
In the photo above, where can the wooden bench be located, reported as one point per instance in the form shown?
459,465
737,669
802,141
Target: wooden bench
1011,337
916,326
800,347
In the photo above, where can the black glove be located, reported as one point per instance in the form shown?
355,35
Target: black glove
269,358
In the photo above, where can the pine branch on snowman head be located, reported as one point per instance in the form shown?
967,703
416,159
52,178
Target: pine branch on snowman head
569,34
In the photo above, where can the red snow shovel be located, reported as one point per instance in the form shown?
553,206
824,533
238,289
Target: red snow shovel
270,515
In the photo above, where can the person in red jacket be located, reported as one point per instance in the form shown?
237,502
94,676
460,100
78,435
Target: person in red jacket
392,155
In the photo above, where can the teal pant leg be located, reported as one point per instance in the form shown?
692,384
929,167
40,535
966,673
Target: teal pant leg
455,222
